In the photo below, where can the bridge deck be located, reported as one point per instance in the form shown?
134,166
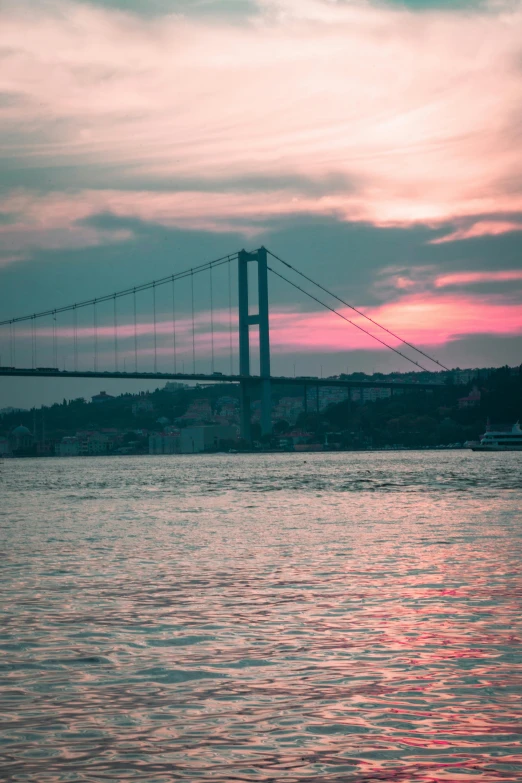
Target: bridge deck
214,378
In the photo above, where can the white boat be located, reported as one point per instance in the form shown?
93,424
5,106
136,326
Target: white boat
498,440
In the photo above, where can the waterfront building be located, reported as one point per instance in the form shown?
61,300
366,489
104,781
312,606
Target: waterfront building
297,437
92,443
22,442
4,447
69,446
164,443
195,440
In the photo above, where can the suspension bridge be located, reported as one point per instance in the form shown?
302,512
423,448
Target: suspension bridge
121,335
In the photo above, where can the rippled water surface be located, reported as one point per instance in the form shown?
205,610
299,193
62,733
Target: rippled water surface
336,617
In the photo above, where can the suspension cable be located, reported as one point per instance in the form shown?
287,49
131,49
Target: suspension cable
333,310
55,343
14,343
193,327
174,323
128,291
75,338
95,325
359,312
211,322
135,335
230,318
155,335
33,343
115,314
11,345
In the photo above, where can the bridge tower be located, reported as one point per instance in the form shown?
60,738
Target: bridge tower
246,320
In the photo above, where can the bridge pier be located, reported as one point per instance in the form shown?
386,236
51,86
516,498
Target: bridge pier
246,320
245,411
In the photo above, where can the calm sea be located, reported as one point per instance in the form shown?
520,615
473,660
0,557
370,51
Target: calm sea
336,617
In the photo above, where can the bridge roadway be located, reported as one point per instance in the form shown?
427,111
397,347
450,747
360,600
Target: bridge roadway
214,378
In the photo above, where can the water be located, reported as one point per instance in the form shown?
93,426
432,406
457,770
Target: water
336,617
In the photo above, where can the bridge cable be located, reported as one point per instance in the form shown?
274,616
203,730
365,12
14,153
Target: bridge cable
75,338
128,291
33,343
13,325
193,328
55,343
115,314
174,323
360,312
230,319
135,335
10,323
333,310
95,325
155,334
11,345
211,323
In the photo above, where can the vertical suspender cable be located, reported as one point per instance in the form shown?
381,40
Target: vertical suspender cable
115,313
75,337
211,322
11,344
155,335
193,327
230,318
55,344
174,323
135,336
14,344
33,344
95,325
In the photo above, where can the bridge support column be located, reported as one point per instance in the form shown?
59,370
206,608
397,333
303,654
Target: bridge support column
264,343
245,413
261,319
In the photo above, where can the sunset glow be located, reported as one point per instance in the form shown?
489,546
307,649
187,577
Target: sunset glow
284,116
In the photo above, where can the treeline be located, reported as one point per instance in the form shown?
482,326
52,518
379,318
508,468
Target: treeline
420,418
413,419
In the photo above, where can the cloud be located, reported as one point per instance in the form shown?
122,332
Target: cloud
425,320
472,278
427,281
418,112
481,228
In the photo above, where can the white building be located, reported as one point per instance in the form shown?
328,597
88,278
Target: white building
69,447
164,443
195,440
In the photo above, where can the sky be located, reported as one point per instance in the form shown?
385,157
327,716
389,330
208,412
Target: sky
373,145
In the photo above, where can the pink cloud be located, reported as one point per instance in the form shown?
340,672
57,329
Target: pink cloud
413,111
469,278
423,319
479,229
